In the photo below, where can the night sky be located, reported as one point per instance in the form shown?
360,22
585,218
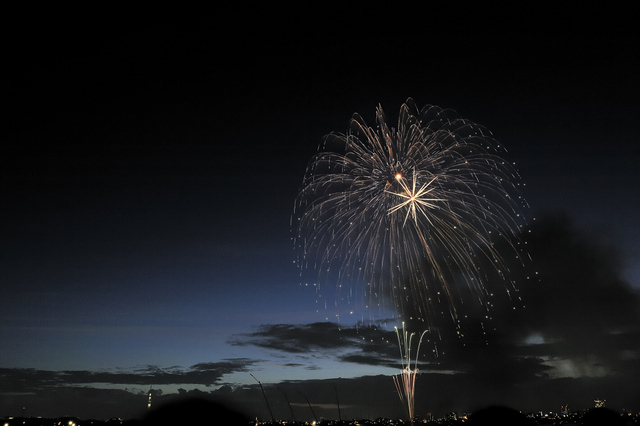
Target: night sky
149,172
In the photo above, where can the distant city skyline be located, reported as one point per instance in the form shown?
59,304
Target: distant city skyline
497,413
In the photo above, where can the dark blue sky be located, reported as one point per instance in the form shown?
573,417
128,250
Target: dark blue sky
149,174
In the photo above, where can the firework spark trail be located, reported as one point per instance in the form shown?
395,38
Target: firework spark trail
407,214
405,382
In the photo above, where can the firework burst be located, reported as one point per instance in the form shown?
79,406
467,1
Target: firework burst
402,218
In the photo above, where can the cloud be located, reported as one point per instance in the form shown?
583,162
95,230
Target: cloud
577,305
574,336
306,338
571,315
362,344
206,373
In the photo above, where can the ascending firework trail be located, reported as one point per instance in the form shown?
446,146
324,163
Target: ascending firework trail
406,380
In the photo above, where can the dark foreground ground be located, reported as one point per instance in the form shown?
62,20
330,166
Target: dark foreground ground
201,412
194,412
